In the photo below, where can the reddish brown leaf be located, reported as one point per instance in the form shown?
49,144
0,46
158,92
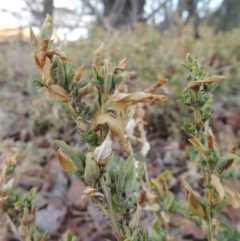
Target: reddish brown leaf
58,52
230,162
79,72
41,52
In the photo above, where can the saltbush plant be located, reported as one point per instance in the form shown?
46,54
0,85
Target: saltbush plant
105,112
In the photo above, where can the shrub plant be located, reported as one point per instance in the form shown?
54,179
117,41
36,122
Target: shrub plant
105,112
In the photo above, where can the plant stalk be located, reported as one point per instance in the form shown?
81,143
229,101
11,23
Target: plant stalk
110,210
208,206
13,226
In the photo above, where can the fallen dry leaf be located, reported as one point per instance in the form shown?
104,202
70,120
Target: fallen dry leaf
51,218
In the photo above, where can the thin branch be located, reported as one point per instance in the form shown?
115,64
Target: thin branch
161,5
98,15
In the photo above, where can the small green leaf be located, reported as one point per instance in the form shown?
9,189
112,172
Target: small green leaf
189,59
69,78
217,208
107,85
186,66
168,200
122,174
127,231
130,184
37,80
165,174
92,171
69,236
98,76
47,29
194,218
117,79
61,73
